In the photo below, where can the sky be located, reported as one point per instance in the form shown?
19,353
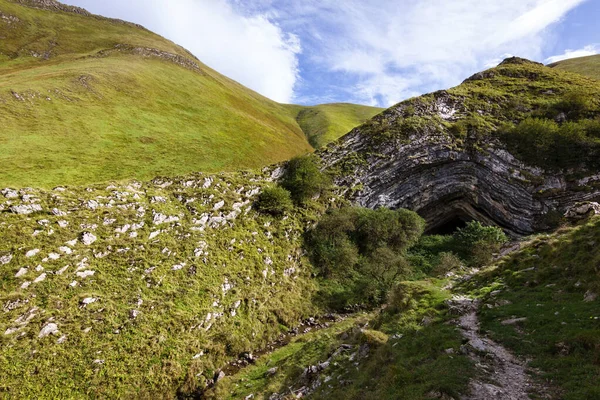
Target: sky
375,52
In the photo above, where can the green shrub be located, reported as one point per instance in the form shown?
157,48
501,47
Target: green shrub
447,262
547,144
274,200
304,179
575,105
480,242
399,229
364,250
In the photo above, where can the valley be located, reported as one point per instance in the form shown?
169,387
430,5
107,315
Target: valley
166,232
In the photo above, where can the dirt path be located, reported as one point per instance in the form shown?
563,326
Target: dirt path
502,376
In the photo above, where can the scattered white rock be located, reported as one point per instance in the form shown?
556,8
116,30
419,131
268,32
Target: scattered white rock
40,278
32,253
25,285
160,219
62,270
226,287
513,321
26,209
58,213
85,274
74,284
153,235
88,301
39,268
6,259
178,266
10,193
72,243
123,229
21,272
92,204
219,205
53,256
87,238
65,250
50,329
62,339
590,296
63,224
133,314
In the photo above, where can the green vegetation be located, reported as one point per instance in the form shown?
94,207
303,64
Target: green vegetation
304,179
360,253
385,356
550,286
588,66
545,143
480,242
182,277
323,124
473,245
83,100
274,200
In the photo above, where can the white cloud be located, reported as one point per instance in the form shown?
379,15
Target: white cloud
386,50
589,50
248,48
397,48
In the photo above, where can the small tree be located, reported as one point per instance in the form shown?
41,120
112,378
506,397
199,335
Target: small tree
274,200
304,179
480,242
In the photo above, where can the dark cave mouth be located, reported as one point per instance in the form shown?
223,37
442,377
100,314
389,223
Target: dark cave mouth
449,226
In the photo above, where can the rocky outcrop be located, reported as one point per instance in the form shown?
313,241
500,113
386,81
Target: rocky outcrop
450,181
54,5
148,52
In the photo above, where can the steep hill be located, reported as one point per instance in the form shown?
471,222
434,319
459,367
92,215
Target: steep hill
588,66
512,146
86,99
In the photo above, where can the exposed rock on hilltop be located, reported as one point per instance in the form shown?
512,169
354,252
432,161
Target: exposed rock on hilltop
56,6
443,156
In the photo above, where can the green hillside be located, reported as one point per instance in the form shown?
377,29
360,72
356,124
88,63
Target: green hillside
323,123
86,99
588,66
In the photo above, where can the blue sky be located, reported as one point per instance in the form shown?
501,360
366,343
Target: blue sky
375,52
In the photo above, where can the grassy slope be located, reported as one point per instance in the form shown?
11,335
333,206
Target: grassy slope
588,66
239,283
323,123
546,282
83,118
388,355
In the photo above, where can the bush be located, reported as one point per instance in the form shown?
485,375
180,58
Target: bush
447,262
364,250
274,200
480,242
304,179
575,105
545,143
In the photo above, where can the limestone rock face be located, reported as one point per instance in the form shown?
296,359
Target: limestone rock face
429,172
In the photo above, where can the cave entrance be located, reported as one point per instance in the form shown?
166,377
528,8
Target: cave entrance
449,226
